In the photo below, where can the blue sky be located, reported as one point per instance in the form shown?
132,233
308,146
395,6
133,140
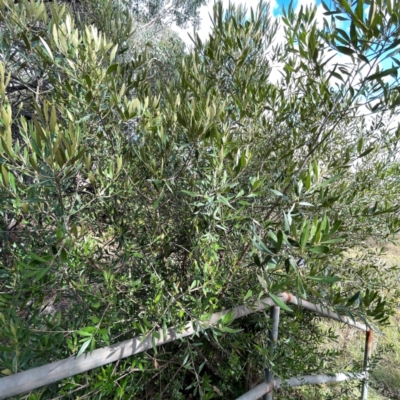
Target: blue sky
276,8
286,3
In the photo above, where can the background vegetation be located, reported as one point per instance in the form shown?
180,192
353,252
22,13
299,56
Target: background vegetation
142,186
350,343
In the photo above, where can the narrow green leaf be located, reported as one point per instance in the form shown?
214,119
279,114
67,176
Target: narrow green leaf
227,318
224,200
278,193
304,203
190,193
113,53
94,319
324,279
382,74
280,240
304,235
360,10
88,329
366,152
248,295
157,202
301,289
336,240
345,50
263,282
320,249
84,347
42,273
112,68
30,273
279,302
83,333
36,257
229,330
4,173
331,180
46,46
262,247
89,96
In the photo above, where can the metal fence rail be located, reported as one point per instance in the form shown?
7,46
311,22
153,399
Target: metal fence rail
34,378
266,388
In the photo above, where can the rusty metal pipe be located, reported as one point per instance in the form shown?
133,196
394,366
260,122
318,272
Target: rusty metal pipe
34,378
367,358
273,338
257,392
326,312
273,333
264,388
319,379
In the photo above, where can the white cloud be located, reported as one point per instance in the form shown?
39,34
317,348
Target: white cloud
312,3
206,13
206,26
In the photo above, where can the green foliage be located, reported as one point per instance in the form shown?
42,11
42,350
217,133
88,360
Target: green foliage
139,193
160,11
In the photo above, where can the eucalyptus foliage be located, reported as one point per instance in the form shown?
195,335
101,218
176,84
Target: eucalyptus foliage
144,187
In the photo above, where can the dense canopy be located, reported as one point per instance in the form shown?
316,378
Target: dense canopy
142,185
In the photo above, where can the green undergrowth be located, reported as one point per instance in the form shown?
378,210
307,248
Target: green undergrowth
385,368
385,371
386,375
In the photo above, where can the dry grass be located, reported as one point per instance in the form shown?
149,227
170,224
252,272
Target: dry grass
385,374
391,250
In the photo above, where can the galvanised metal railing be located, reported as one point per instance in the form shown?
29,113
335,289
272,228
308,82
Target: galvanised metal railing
35,378
265,389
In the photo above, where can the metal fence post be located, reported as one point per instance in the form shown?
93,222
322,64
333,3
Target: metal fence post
367,357
273,338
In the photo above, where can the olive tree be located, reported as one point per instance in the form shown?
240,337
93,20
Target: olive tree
133,200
